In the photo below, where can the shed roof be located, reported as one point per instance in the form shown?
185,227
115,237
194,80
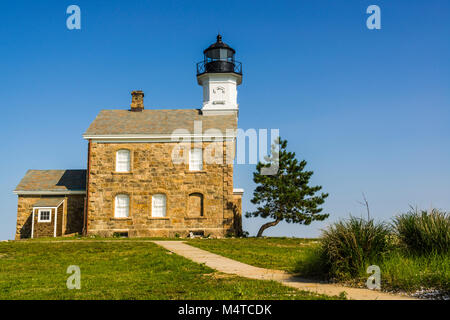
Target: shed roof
48,202
53,180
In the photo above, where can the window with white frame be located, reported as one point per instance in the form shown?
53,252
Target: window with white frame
123,161
122,207
45,215
195,159
159,205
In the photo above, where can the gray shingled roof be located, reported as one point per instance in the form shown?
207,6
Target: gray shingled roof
53,180
151,121
48,202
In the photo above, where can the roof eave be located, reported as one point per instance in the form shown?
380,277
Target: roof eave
49,192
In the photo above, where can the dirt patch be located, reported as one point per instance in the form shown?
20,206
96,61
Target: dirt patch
308,244
218,275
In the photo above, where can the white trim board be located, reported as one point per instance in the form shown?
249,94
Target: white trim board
176,138
56,217
32,225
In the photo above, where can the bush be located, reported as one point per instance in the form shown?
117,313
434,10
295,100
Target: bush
422,232
312,264
349,246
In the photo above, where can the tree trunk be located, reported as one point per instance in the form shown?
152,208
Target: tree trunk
267,225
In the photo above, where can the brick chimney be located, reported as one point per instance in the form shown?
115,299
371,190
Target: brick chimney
137,100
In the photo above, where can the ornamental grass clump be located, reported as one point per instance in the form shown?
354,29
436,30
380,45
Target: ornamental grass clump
423,232
349,246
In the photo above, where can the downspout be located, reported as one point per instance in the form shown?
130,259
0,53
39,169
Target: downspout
86,205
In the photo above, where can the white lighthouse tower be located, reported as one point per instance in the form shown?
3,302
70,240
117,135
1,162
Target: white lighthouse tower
219,75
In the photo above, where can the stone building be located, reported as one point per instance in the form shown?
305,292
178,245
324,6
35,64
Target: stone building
150,172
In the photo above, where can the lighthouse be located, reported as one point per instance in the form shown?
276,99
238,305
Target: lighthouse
219,74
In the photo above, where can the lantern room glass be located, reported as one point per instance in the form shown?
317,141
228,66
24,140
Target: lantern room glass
221,54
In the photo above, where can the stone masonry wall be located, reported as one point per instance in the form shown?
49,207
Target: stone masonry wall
24,216
153,172
73,220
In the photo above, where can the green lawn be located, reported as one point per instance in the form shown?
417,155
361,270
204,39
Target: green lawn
272,253
121,270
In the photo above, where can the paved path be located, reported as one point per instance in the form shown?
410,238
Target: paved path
230,266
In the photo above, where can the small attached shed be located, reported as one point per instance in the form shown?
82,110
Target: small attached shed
48,218
50,203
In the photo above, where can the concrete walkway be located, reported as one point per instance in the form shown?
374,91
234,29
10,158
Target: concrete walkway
230,266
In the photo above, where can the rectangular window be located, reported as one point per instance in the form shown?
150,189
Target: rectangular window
195,160
123,161
122,209
158,205
45,215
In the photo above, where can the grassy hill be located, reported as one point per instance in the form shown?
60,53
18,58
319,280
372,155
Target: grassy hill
121,270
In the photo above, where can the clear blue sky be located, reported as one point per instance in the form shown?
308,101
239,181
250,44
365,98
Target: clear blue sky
368,109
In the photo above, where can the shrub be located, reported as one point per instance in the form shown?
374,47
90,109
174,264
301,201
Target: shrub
349,246
424,232
313,264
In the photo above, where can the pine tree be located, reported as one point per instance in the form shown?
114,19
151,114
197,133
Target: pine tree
284,194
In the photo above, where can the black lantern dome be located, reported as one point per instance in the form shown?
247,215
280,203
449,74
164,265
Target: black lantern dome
219,58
